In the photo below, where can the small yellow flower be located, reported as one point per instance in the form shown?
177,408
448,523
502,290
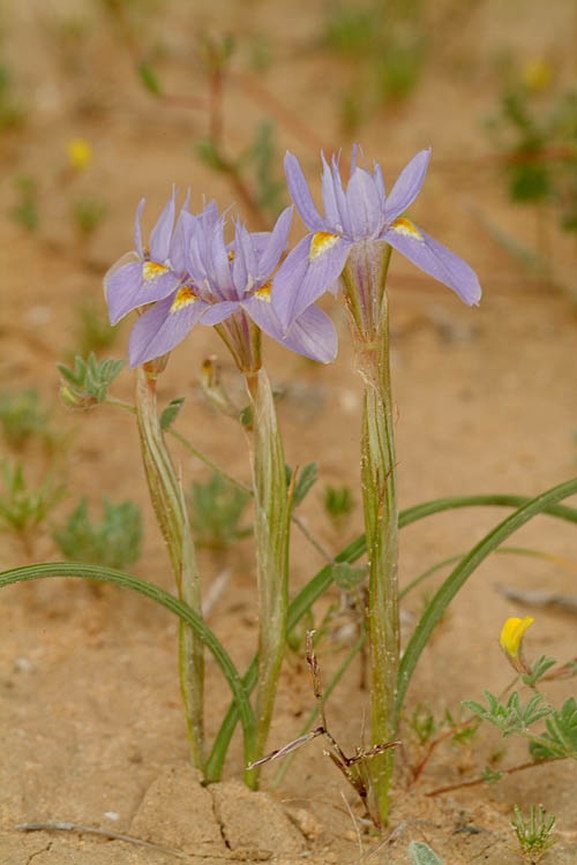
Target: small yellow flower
537,75
79,153
512,637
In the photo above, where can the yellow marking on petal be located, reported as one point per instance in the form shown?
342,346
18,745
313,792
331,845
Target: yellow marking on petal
184,297
230,255
151,270
263,293
513,633
406,227
321,242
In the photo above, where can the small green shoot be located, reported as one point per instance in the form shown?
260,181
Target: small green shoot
22,417
25,211
87,384
88,211
115,542
338,503
12,115
534,837
305,480
216,510
23,510
171,412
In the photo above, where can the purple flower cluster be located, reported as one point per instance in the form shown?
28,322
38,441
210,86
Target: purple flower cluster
361,214
189,274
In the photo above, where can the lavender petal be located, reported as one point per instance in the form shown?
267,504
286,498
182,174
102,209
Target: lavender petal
161,234
435,259
300,193
407,186
158,330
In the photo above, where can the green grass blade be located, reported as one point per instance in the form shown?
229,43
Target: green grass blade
544,503
310,593
155,593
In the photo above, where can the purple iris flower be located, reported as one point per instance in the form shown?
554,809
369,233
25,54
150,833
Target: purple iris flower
361,214
226,283
148,273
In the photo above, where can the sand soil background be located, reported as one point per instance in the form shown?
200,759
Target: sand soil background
90,718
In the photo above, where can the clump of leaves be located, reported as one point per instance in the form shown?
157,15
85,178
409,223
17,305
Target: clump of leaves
216,511
12,114
385,45
338,503
88,211
23,417
536,129
23,509
25,211
534,836
86,385
114,542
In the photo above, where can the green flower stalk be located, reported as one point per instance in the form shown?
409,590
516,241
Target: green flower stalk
350,245
364,279
271,530
170,509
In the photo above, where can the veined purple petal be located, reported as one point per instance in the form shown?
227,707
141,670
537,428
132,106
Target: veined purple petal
138,229
218,312
300,193
220,271
136,284
161,234
333,216
244,257
435,259
407,186
277,243
158,330
185,226
313,265
312,334
364,204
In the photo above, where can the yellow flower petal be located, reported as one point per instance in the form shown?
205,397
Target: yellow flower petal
79,153
513,633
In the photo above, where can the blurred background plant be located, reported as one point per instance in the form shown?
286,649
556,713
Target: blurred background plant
23,417
24,509
114,542
216,510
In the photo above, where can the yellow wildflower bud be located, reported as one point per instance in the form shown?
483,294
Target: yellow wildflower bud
79,153
511,640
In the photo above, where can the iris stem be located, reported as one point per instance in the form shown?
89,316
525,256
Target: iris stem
364,280
271,529
168,501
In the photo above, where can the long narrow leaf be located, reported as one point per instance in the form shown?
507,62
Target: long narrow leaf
155,593
546,502
316,587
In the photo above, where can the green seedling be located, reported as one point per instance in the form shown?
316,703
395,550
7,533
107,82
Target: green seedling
86,385
534,836
115,542
338,503
12,115
88,211
23,510
216,510
25,211
22,417
422,854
